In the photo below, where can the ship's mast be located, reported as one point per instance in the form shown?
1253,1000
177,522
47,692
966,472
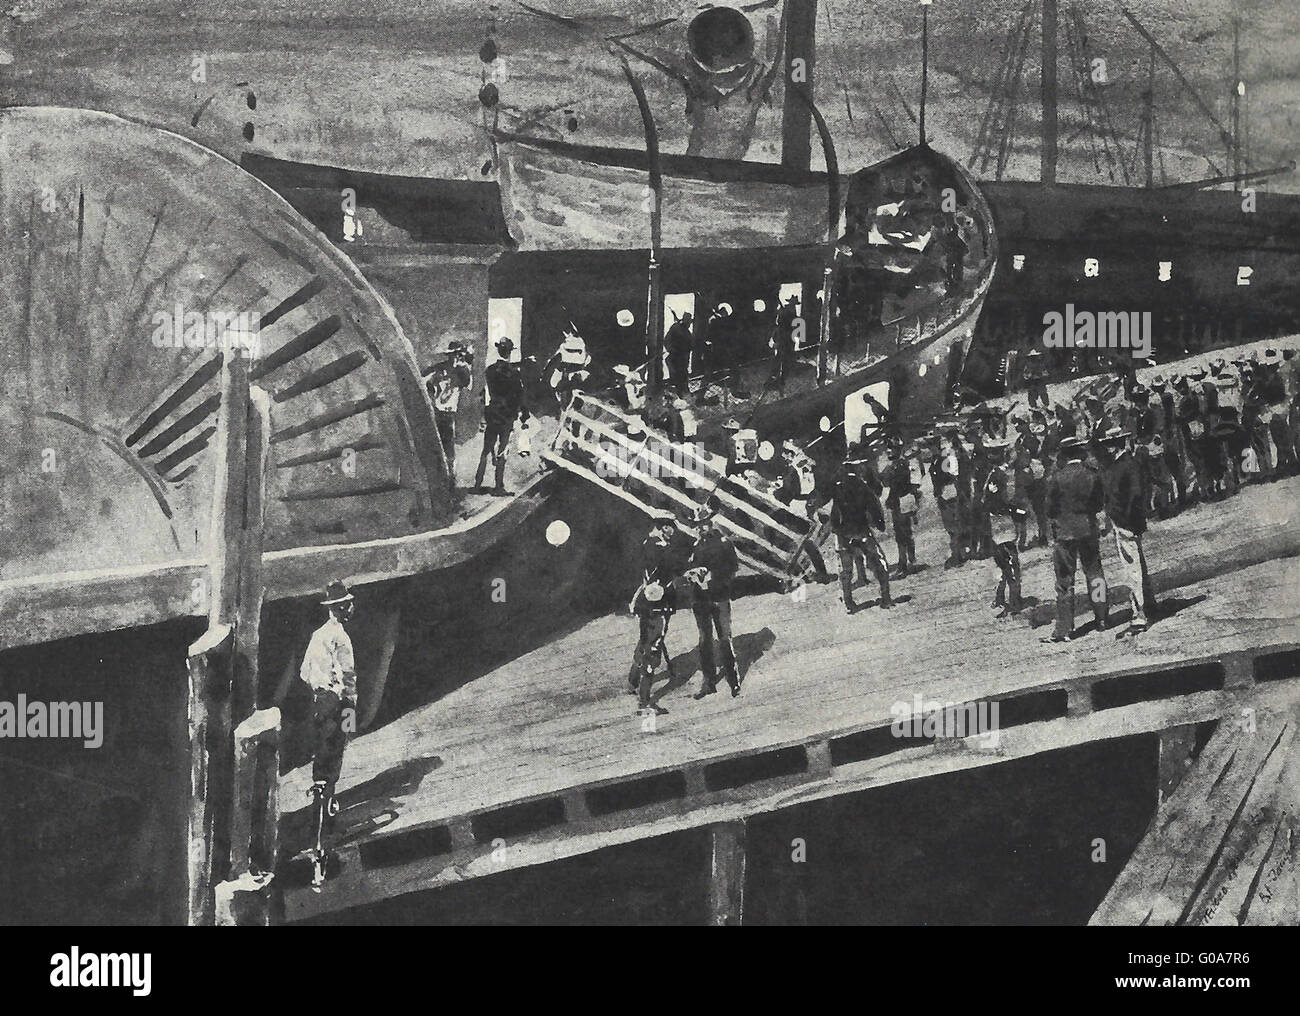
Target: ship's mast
1047,170
1237,89
796,120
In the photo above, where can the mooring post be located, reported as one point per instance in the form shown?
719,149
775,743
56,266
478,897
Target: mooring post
245,896
211,658
727,875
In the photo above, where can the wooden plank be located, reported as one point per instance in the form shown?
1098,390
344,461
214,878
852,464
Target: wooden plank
356,886
758,565
717,490
48,607
1175,875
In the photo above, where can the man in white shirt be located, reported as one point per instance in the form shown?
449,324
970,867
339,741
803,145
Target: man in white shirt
330,672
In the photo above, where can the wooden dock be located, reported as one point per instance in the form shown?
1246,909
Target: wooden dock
543,758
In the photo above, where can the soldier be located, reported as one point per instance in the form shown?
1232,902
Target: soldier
503,403
1164,408
568,370
1029,463
1074,497
978,430
783,341
1267,407
678,344
329,670
855,512
798,492
902,477
712,570
1125,494
1036,376
1226,427
945,477
1006,513
654,604
1193,429
445,381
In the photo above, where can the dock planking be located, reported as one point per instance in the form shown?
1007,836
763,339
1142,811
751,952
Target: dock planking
554,730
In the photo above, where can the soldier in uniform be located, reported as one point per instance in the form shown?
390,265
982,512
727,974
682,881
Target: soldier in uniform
782,341
1125,494
1193,430
1074,497
503,403
329,669
678,343
1029,462
712,570
902,477
1007,514
1036,376
1267,410
855,512
654,603
979,429
945,478
1164,407
445,381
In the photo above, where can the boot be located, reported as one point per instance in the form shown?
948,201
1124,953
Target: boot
500,475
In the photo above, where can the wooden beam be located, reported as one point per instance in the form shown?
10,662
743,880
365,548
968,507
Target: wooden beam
356,885
204,667
1219,850
1177,746
727,874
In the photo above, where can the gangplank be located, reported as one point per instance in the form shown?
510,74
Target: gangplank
643,466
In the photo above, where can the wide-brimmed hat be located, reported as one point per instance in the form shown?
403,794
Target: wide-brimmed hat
1139,392
701,513
997,444
1035,351
336,592
1073,444
1195,372
1113,434
505,343
1157,381
454,346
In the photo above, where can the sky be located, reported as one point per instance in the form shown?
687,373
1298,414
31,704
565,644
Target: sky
391,85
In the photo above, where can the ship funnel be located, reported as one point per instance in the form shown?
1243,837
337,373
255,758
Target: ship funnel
720,39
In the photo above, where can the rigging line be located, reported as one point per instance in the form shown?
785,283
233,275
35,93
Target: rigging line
995,94
835,58
1004,149
1075,60
999,99
1079,62
1110,129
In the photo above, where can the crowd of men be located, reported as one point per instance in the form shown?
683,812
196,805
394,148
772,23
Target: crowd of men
1118,454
